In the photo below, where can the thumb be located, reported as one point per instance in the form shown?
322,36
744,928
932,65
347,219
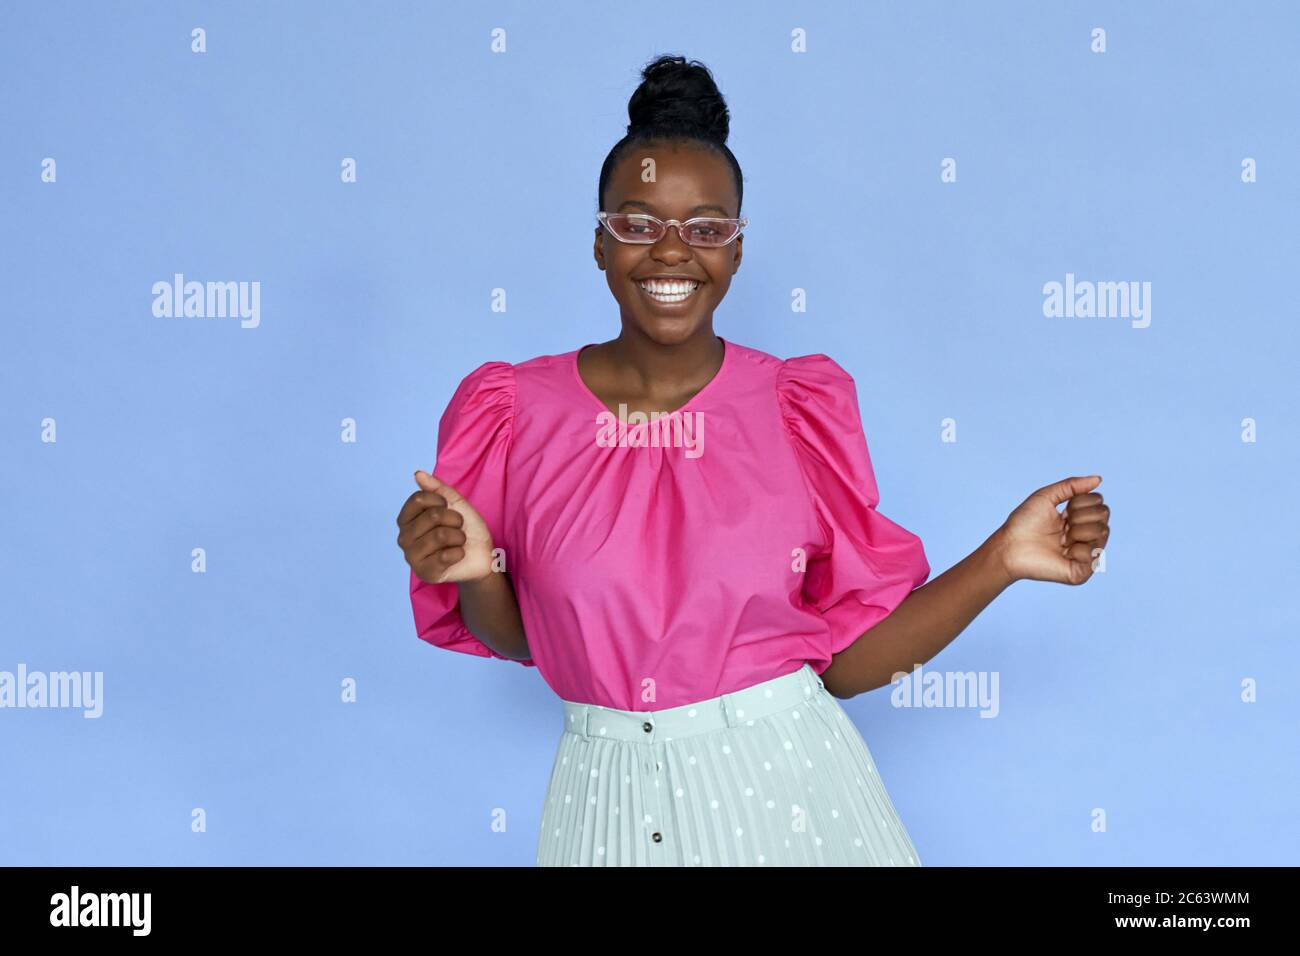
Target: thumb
431,482
1066,489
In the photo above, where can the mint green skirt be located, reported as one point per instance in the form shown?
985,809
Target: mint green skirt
772,775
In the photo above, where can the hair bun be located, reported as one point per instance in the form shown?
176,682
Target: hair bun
679,97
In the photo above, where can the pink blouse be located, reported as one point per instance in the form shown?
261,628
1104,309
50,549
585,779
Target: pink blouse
657,566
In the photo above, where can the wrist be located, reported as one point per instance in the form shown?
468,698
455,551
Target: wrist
997,552
479,582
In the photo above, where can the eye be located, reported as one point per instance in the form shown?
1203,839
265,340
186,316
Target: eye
634,225
706,231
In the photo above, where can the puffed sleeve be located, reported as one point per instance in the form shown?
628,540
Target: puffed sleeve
869,564
473,443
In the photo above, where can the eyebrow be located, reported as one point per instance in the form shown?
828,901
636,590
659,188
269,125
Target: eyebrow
700,208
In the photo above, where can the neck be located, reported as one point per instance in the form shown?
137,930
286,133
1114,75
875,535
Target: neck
655,368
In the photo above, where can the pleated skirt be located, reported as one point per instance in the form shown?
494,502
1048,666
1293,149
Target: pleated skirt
775,774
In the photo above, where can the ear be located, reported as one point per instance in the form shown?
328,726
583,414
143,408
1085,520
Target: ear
735,262
598,249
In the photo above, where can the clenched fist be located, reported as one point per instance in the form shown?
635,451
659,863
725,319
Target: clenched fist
441,535
1040,543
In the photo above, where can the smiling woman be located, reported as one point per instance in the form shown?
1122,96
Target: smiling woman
669,237
682,605
699,615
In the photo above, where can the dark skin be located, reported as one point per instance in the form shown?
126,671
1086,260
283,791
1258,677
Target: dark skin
664,354
662,357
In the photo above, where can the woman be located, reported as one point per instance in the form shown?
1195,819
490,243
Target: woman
680,533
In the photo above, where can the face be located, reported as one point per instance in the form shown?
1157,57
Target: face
689,182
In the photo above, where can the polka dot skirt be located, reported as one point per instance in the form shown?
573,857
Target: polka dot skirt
772,775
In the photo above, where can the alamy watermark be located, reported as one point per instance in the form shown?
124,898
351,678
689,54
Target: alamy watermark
946,689
1098,300
80,689
657,430
76,908
208,300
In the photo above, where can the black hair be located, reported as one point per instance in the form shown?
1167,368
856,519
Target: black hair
677,101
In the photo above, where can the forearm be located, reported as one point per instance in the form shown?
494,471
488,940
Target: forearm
921,626
491,613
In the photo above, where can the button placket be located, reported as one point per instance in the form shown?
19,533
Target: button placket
647,764
654,783
652,767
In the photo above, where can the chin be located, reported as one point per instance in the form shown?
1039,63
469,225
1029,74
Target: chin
670,330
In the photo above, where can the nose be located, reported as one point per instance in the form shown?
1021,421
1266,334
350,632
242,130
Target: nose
673,243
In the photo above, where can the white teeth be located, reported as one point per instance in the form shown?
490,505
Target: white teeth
669,290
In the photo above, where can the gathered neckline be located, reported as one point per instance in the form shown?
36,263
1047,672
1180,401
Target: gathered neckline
586,389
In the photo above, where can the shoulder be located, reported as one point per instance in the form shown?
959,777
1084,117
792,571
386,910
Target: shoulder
490,384
805,385
789,371
546,372
502,376
815,388
480,413
811,391
815,380
817,369
515,386
483,402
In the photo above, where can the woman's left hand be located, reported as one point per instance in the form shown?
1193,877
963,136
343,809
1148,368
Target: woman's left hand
1039,543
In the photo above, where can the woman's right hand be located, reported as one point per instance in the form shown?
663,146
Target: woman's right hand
441,535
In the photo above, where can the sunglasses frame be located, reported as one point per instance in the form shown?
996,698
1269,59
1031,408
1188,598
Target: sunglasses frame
667,224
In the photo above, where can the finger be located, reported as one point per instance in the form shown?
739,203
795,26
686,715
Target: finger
432,517
434,567
1081,552
449,556
430,506
1097,513
410,508
434,502
433,483
440,539
1094,533
443,512
1067,488
417,502
433,541
1083,501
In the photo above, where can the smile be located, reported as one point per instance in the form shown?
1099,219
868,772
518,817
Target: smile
669,291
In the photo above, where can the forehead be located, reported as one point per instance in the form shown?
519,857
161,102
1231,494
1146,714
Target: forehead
688,181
